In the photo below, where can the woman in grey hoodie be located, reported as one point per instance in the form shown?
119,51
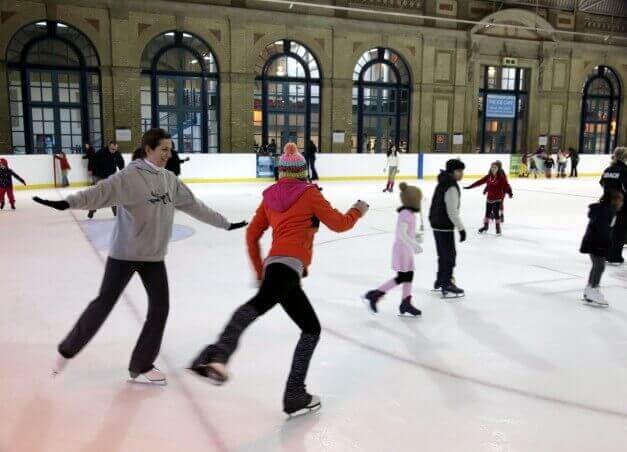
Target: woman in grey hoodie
146,196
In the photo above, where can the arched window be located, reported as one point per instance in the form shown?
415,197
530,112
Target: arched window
54,89
180,91
381,93
599,111
287,96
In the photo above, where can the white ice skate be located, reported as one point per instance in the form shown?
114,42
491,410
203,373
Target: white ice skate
313,405
59,364
594,297
153,377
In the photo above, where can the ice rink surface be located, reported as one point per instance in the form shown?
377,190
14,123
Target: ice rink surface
519,365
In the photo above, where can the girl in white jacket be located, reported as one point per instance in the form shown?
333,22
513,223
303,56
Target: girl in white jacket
391,166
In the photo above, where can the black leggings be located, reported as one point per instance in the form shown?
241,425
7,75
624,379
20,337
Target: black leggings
117,275
493,211
281,285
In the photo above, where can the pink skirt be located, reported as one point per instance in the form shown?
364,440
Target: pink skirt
402,258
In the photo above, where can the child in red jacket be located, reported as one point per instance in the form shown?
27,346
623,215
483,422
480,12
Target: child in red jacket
497,187
6,183
65,167
294,209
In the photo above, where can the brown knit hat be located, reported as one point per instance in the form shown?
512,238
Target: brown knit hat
410,196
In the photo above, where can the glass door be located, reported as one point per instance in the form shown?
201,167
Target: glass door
180,111
55,111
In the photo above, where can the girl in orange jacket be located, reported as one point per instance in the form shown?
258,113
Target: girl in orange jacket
294,209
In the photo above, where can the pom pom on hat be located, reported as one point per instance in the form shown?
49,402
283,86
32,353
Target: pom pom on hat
292,163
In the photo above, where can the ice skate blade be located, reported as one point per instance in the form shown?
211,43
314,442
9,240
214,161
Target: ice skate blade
452,297
209,374
146,382
594,304
304,411
407,315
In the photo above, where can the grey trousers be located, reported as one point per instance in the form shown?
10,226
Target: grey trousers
598,267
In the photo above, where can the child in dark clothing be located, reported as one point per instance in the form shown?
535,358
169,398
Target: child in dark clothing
6,183
596,242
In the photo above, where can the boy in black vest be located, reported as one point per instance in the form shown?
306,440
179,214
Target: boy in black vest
444,219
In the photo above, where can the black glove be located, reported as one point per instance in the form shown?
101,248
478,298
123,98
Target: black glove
462,236
59,205
239,225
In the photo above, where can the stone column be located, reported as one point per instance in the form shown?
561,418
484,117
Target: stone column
5,120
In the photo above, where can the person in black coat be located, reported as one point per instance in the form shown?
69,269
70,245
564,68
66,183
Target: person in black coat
174,163
310,157
614,178
106,162
444,218
90,156
573,154
598,239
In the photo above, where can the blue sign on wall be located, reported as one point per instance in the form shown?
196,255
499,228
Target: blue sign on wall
500,106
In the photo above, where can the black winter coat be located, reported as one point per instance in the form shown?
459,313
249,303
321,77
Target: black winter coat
438,217
107,163
615,178
597,239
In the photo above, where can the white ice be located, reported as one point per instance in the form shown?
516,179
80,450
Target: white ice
519,365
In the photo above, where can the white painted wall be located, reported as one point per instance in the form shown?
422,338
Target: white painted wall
38,169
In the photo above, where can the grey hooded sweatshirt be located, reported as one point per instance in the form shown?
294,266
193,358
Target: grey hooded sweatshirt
146,197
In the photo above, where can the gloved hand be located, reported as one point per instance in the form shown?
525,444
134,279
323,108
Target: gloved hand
59,205
239,225
511,195
362,206
462,236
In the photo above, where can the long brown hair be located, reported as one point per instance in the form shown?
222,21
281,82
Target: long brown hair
150,139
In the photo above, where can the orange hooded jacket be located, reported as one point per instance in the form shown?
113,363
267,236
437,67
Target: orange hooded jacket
291,208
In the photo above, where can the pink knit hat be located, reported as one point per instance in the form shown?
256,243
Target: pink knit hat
292,163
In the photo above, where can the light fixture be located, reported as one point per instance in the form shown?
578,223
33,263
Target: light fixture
187,35
42,24
194,61
60,25
170,33
207,57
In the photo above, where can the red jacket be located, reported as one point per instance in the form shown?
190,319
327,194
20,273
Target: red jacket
289,207
63,162
497,186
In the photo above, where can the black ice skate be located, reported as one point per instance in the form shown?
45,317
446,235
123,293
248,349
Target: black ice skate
304,404
1,205
207,366
12,206
452,291
406,309
436,287
371,299
484,228
498,229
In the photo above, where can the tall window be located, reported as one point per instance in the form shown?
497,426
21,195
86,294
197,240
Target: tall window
180,91
503,104
287,95
381,94
54,89
599,111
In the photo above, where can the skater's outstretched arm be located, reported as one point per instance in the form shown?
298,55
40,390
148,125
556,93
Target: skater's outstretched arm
192,206
109,192
332,218
255,231
17,177
481,181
